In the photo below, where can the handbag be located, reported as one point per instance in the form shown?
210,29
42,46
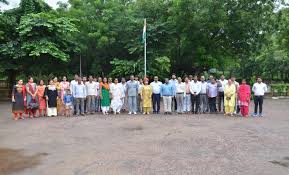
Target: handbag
33,105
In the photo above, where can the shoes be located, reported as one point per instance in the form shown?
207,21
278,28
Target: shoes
261,115
134,113
255,115
129,113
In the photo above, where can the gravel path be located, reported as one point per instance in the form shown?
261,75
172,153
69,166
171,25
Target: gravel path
156,144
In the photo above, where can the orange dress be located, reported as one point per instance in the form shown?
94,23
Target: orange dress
40,94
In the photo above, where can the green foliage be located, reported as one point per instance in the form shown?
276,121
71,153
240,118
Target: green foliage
243,38
280,89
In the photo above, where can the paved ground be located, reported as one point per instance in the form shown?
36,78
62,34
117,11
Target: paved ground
126,145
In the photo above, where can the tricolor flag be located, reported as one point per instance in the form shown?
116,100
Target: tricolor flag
144,33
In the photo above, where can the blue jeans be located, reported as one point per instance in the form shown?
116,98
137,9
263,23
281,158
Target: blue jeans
156,102
132,104
187,103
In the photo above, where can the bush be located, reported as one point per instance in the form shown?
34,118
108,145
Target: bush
279,89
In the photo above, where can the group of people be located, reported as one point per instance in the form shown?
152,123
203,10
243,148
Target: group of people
84,96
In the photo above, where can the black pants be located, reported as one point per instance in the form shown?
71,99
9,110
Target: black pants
212,104
258,101
195,103
221,101
175,103
156,102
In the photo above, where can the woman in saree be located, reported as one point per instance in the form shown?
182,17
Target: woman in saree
31,98
60,105
244,97
41,98
64,86
229,98
104,96
116,93
18,100
51,96
146,97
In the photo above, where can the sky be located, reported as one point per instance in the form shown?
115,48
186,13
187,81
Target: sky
15,3
52,3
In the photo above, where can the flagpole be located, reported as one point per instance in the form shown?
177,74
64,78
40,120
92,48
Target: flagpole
145,53
80,72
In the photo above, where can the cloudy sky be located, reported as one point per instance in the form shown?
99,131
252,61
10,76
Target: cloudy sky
15,3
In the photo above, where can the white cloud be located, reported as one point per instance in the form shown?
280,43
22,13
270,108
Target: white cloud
15,3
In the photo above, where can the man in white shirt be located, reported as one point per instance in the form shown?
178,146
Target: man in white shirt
79,94
195,89
259,89
203,95
180,95
187,99
223,82
91,92
123,96
156,97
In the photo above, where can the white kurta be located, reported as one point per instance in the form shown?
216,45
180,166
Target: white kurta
116,91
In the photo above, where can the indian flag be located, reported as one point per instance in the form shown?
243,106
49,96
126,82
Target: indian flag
144,33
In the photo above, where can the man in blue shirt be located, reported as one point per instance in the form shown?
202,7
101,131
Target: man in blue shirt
167,92
132,93
174,81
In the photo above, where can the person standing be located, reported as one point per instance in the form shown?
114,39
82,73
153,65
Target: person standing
97,99
72,84
195,89
123,96
139,101
60,106
244,97
31,97
79,93
167,93
51,96
203,95
259,89
68,100
132,93
180,89
104,96
116,94
91,91
156,86
212,92
237,107
223,83
41,98
64,85
187,99
230,98
18,100
146,96
173,82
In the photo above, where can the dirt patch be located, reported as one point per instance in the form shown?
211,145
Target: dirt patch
15,160
284,162
134,128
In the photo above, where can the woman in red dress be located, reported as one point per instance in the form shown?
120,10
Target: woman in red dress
244,97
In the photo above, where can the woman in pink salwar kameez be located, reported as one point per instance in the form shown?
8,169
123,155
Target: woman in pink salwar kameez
244,97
